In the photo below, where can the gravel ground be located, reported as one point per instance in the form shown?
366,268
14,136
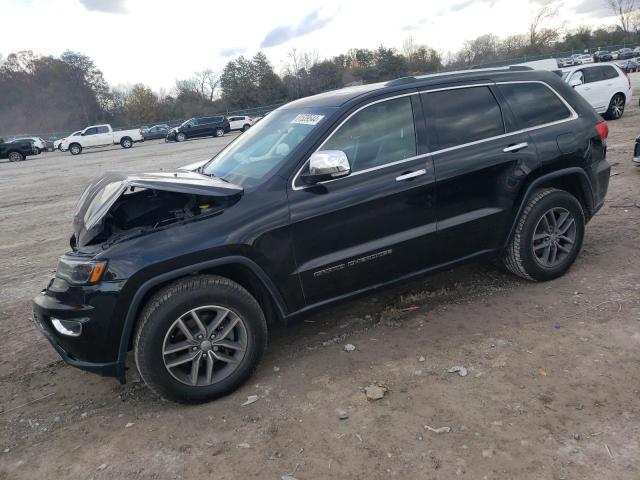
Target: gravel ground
552,389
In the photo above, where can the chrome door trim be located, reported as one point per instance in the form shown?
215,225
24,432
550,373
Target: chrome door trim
573,115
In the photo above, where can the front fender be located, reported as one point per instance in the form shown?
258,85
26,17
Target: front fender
136,302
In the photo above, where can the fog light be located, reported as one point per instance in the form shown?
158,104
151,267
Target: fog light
70,328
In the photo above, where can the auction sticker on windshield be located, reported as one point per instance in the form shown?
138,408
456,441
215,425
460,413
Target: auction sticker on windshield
307,118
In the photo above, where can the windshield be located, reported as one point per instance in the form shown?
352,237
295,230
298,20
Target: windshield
265,146
187,121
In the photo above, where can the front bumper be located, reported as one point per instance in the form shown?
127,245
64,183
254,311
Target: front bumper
171,137
75,351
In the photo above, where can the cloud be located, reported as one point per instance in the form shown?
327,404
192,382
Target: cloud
414,26
231,51
284,33
593,7
107,6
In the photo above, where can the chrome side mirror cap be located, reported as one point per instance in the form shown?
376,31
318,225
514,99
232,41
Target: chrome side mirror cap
326,165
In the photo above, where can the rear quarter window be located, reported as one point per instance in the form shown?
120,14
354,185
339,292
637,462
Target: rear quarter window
533,104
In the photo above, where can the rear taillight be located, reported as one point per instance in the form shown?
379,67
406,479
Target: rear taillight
603,130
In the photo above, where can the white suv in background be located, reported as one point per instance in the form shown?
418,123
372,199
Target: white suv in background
240,122
606,87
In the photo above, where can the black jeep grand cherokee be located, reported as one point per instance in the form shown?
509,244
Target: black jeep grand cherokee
328,197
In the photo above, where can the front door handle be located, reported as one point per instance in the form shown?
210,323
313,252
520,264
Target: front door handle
517,146
410,175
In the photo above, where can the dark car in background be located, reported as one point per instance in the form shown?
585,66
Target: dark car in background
155,132
629,66
602,56
17,150
626,53
215,126
327,198
636,152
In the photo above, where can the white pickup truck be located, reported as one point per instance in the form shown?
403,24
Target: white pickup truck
100,136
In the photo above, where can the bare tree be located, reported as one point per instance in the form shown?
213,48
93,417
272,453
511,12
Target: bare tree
624,11
208,80
538,35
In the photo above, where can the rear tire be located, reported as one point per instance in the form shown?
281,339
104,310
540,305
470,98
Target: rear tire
246,127
548,236
75,149
16,157
126,142
616,107
160,333
36,150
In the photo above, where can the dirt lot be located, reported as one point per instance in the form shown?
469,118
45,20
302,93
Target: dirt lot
552,391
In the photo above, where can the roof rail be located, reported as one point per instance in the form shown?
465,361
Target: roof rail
407,80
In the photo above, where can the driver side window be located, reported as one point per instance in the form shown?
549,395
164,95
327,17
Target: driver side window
91,131
379,134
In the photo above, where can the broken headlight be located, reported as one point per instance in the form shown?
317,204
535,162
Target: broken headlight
80,272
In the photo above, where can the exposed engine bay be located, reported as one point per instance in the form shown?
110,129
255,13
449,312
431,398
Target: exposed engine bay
117,206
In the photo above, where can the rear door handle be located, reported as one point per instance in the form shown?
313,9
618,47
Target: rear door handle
517,146
410,175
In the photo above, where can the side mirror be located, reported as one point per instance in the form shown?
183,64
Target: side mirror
326,165
82,134
575,81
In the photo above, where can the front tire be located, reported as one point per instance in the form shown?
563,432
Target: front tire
16,157
548,236
616,107
199,338
219,132
181,137
75,149
36,151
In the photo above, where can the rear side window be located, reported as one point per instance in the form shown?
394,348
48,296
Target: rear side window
533,104
103,129
464,115
599,73
376,135
609,72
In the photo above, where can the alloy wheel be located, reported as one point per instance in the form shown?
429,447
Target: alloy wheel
205,345
554,237
617,105
15,157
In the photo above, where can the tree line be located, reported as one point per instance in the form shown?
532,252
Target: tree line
60,94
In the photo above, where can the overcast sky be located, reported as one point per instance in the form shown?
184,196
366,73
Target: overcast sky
159,41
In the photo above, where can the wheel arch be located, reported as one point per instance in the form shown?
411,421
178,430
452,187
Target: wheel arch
573,180
241,270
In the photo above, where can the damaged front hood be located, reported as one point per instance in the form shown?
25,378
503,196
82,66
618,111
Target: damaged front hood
103,192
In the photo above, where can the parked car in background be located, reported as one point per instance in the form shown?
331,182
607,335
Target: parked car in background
565,62
626,53
602,56
614,54
17,150
39,145
629,66
636,152
583,59
240,122
97,136
155,132
215,126
327,198
606,87
57,145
